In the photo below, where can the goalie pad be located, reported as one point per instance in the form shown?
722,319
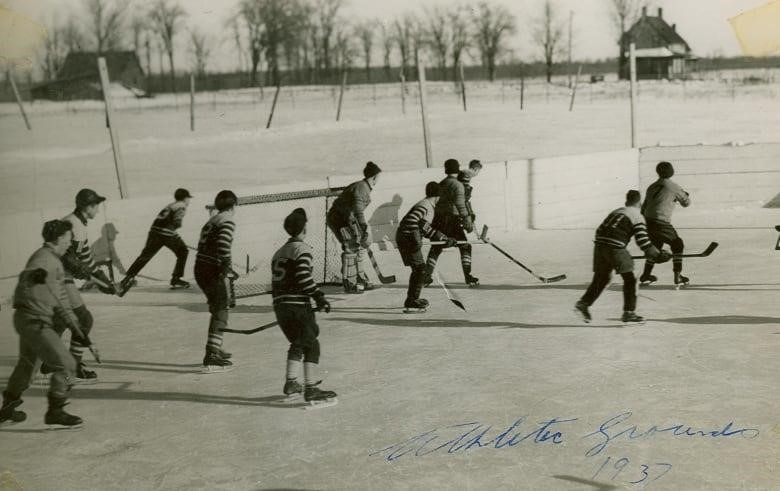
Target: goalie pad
349,268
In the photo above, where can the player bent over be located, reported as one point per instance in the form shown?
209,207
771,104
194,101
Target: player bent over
163,233
657,209
347,220
413,227
79,263
41,308
452,218
609,252
293,289
213,273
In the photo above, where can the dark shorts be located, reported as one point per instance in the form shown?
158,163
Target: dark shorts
449,225
298,323
606,259
410,247
215,286
661,232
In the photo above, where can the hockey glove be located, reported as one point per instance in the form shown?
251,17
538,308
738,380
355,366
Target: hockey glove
468,225
662,257
322,303
104,284
450,242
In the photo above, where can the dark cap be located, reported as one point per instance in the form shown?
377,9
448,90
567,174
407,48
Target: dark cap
432,189
225,200
633,196
295,222
664,170
181,194
371,169
87,197
54,229
475,164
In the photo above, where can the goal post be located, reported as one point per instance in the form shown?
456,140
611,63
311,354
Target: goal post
259,233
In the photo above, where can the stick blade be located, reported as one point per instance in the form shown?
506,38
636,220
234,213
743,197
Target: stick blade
554,279
458,304
386,280
777,227
709,249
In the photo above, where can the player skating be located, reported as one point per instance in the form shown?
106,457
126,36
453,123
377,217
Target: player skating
413,227
347,220
452,218
465,177
293,289
657,210
42,309
609,253
212,273
79,263
163,233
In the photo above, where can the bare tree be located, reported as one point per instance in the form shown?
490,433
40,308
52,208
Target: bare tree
105,21
624,13
404,26
54,50
232,23
327,12
72,36
344,47
388,41
365,33
547,34
492,24
438,32
459,35
166,19
137,26
201,50
251,12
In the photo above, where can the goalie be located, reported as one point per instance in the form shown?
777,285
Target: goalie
347,220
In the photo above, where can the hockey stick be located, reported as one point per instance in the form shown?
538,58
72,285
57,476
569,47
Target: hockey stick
543,279
451,296
706,252
39,276
777,246
382,278
251,331
460,242
235,265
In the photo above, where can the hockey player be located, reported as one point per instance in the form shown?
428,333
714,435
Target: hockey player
293,289
163,233
79,263
465,177
453,219
413,227
41,309
212,273
347,220
610,253
657,210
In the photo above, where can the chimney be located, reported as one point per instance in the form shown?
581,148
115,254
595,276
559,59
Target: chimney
644,11
660,13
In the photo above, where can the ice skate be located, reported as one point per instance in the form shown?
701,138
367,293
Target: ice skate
224,354
125,285
214,363
293,390
472,281
647,279
415,305
84,376
582,309
352,288
8,410
179,284
317,398
57,418
631,318
365,283
680,280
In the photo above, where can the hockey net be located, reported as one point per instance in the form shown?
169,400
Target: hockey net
259,233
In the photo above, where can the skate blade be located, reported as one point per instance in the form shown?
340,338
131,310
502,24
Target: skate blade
179,288
630,324
59,427
680,286
581,317
321,404
85,381
408,310
215,369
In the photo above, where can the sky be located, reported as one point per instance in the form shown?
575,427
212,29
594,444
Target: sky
703,23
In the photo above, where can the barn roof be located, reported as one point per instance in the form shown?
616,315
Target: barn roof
654,32
84,63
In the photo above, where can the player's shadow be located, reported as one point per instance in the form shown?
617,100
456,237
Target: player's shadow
595,485
723,319
500,287
384,222
733,287
459,323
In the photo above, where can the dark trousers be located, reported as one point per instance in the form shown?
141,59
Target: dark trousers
410,247
661,233
155,242
300,328
605,260
451,226
216,286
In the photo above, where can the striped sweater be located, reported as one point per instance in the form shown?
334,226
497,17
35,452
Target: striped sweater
417,220
291,270
79,249
617,229
216,240
169,219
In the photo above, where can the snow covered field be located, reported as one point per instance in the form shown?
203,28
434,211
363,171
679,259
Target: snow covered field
516,393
